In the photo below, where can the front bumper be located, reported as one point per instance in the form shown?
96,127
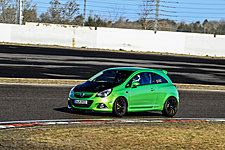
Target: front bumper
92,104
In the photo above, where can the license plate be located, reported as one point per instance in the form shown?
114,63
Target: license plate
80,102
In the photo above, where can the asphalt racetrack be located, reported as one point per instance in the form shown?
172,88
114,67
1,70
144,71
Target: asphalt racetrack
27,102
56,63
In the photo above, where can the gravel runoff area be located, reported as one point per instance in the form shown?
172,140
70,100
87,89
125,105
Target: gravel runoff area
169,135
76,82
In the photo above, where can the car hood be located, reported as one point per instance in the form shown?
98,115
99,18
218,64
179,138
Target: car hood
93,87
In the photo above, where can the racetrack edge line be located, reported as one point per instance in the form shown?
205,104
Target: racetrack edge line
31,123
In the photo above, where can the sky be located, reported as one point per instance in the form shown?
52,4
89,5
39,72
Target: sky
177,10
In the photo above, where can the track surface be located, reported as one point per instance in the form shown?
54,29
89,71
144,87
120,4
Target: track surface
23,102
55,63
26,102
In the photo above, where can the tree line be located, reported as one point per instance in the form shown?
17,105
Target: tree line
68,13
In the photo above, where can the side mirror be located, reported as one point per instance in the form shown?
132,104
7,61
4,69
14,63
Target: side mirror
135,84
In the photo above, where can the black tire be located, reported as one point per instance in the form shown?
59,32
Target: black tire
170,107
120,107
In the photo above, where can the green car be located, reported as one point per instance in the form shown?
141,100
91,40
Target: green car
123,90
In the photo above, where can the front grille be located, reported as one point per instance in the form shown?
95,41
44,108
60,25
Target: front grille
82,95
83,105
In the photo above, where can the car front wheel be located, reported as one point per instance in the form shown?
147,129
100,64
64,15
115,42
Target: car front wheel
120,107
170,107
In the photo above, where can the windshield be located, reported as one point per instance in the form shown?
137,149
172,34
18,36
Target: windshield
112,76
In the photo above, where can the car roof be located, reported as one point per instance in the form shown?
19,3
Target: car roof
139,70
132,69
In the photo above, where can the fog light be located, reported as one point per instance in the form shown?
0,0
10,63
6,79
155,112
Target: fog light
102,106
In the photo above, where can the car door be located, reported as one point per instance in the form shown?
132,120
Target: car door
144,95
162,88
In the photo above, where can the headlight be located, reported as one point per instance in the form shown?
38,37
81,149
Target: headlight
104,93
71,92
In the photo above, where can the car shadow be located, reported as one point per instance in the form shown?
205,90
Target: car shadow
86,113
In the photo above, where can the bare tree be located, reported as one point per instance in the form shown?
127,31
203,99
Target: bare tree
53,15
30,12
205,25
8,11
60,13
45,17
78,20
146,13
69,11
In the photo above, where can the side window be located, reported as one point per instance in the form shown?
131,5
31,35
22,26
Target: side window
144,78
157,79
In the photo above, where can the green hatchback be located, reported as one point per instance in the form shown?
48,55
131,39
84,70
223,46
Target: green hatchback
122,90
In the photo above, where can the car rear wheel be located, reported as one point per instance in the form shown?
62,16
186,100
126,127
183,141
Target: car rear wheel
120,107
170,107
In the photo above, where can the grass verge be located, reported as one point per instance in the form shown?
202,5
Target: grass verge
119,136
40,81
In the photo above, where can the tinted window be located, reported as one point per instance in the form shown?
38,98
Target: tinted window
112,76
143,78
158,79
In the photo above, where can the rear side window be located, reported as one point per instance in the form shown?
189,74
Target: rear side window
157,79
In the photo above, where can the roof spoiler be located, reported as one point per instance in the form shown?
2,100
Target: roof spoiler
164,71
